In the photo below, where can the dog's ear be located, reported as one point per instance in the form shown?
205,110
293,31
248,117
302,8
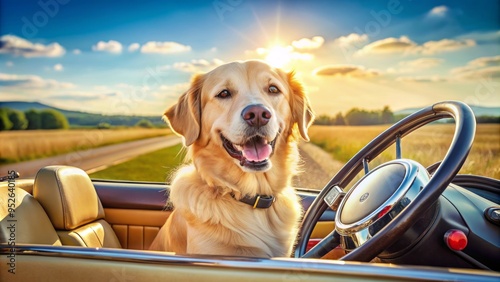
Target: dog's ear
185,116
302,112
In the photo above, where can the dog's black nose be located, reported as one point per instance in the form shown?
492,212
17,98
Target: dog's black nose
256,115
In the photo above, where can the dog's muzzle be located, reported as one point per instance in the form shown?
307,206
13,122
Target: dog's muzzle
254,153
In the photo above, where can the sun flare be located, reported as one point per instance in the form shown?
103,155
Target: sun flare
279,56
283,56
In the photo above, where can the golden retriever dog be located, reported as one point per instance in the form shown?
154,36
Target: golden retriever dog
241,123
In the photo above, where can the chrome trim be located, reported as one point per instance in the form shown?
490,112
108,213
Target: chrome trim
288,265
334,197
365,166
398,147
355,234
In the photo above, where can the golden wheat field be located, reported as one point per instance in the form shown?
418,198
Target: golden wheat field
18,146
426,145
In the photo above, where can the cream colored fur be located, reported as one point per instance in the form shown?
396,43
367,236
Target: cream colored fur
208,216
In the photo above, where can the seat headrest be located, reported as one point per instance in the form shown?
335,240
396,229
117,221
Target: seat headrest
68,196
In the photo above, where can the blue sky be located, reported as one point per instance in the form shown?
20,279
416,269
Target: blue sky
137,57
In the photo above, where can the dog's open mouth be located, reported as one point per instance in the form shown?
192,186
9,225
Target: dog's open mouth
253,154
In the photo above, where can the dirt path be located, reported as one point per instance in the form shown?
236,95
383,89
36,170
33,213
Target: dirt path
94,159
318,167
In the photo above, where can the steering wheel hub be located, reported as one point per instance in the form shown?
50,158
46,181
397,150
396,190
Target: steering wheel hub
376,199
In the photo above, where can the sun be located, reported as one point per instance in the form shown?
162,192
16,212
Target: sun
279,56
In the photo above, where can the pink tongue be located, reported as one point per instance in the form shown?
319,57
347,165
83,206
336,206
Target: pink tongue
256,150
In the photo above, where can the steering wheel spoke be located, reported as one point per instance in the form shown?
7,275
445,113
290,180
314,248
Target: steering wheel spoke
399,152
330,242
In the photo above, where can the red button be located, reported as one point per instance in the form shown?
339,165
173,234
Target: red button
384,211
455,239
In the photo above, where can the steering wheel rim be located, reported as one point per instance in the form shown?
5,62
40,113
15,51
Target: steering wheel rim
465,127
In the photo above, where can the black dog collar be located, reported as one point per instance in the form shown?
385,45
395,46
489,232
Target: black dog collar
258,201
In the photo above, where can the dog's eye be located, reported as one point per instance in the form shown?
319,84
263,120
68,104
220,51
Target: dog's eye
224,94
273,89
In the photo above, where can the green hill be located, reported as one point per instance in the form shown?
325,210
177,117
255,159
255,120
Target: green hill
82,119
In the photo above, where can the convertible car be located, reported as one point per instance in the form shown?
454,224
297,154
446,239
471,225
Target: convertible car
399,222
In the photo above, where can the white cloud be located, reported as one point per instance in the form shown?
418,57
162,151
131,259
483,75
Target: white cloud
404,45
352,39
486,61
483,67
488,72
77,51
86,100
389,45
308,44
350,44
422,63
83,96
346,70
197,65
58,67
416,65
444,45
32,81
134,47
439,11
489,37
172,91
9,64
422,79
10,44
111,46
168,47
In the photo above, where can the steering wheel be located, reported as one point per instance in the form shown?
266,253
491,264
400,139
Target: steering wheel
386,202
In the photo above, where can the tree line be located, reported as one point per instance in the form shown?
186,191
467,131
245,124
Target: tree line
357,116
11,119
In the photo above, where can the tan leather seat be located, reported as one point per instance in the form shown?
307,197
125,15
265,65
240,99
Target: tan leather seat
71,202
28,223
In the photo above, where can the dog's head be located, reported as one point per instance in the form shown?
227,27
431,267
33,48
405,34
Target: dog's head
243,109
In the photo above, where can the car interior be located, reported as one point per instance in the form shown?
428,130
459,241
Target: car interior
66,224
63,207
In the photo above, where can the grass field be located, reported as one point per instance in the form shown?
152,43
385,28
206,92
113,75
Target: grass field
427,145
16,146
156,166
